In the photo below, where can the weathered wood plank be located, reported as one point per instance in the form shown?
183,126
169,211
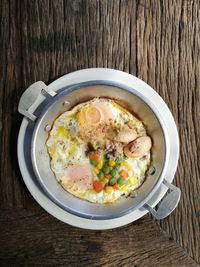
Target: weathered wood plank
169,60
35,239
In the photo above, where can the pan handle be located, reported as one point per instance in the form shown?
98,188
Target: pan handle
168,204
30,96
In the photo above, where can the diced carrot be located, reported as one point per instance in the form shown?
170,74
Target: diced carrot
123,173
94,156
107,175
116,186
98,185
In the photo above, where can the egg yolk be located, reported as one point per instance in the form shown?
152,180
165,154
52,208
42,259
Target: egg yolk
94,114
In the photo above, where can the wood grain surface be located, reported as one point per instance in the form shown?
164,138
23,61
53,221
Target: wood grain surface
158,41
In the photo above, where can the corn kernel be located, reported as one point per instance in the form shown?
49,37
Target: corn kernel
109,189
133,180
111,163
127,165
96,171
100,164
123,188
105,180
124,163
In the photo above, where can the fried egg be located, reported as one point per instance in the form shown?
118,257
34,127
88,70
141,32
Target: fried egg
88,151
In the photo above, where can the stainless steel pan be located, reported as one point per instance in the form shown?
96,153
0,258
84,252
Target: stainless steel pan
65,99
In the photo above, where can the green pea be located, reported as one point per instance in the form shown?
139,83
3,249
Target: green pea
93,162
119,159
106,168
113,173
117,167
115,170
100,175
112,181
121,181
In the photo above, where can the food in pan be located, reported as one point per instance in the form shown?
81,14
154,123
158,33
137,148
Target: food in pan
99,151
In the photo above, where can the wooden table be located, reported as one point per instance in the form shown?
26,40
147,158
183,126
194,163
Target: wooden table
158,41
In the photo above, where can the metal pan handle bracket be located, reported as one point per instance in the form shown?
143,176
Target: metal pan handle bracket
168,204
30,96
